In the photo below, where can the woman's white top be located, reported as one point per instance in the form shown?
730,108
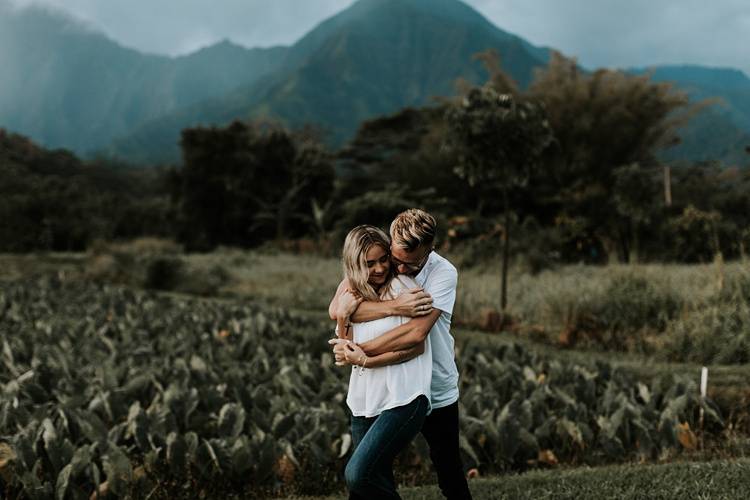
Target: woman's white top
378,389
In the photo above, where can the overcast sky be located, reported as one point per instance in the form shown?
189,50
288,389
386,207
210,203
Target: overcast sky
620,33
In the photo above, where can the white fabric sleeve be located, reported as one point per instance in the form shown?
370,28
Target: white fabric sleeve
441,284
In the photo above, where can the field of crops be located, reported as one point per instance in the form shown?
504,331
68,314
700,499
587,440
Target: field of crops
136,393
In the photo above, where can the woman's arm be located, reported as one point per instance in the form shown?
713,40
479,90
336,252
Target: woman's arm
342,307
343,286
344,328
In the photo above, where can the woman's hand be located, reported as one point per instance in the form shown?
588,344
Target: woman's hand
347,352
348,302
339,346
354,354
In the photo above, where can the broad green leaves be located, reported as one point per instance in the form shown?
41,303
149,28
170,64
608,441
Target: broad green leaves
165,396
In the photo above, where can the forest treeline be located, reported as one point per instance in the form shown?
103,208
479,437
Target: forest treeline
569,167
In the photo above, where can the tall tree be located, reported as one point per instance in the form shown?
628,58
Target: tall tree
637,201
499,139
603,121
247,183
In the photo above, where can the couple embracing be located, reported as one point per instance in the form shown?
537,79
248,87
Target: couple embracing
393,313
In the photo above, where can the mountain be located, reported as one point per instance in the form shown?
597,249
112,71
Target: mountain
730,85
373,58
66,85
379,56
722,131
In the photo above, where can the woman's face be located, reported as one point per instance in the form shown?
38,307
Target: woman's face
378,265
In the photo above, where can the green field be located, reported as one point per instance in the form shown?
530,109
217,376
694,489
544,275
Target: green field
224,373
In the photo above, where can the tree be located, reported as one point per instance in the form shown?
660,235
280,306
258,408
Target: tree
246,183
637,202
406,149
51,200
499,139
603,121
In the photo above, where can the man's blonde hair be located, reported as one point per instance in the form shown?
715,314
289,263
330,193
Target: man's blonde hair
412,229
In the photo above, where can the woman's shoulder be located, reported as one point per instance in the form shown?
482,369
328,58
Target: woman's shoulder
402,282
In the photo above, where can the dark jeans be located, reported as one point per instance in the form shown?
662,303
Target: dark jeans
377,441
440,430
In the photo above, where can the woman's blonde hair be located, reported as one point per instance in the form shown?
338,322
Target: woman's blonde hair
354,258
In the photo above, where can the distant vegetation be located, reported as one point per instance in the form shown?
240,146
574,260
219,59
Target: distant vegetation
51,200
595,193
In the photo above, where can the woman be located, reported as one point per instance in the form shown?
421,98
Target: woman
388,394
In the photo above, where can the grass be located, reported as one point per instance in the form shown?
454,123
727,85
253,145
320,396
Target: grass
696,313
720,479
301,282
667,312
15,266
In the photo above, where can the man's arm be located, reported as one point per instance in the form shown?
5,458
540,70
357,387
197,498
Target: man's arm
395,358
402,337
349,353
412,303
442,287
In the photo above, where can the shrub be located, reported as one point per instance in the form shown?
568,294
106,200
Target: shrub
163,273
152,263
717,334
632,302
620,314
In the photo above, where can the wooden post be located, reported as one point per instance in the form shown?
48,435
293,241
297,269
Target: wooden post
667,186
704,387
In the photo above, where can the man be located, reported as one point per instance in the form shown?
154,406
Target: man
412,237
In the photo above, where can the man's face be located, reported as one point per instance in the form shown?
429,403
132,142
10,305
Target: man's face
409,263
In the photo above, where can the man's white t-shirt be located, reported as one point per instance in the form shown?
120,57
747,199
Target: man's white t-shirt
374,390
439,278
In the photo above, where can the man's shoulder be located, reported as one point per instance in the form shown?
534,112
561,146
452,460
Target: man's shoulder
442,264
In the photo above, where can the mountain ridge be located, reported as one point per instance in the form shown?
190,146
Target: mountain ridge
68,85
373,58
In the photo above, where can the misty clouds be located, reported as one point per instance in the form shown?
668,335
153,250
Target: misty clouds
598,32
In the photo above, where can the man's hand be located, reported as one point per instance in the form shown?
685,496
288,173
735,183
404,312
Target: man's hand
348,302
413,303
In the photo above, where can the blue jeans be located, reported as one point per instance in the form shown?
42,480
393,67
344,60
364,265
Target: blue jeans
377,441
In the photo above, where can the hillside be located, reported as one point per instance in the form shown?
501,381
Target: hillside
66,85
374,58
723,130
69,86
